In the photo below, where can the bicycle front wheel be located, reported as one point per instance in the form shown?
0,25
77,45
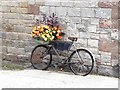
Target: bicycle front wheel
81,62
41,57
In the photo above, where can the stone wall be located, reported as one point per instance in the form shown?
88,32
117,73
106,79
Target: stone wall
0,36
94,22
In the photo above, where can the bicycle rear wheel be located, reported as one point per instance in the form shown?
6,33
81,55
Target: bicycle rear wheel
81,62
41,57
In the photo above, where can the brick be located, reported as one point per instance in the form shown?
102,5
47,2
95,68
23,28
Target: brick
106,4
108,23
61,11
87,12
33,9
115,14
52,2
92,28
92,43
106,45
81,4
44,10
103,13
74,12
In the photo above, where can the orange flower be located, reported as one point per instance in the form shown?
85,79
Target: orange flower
59,37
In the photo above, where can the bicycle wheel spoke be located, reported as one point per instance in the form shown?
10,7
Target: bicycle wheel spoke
40,58
81,62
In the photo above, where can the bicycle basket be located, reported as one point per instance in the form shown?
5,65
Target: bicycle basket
61,45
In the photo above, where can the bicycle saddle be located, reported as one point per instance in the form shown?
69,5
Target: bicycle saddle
73,38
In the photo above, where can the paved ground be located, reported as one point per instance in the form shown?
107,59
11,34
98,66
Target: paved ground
50,79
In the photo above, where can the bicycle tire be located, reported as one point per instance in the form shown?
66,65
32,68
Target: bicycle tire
77,67
38,61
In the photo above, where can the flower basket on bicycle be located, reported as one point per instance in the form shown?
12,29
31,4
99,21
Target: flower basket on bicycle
47,30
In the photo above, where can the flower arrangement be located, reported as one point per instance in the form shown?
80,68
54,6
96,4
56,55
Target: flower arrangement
48,29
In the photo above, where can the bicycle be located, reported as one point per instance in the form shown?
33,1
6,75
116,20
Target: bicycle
80,61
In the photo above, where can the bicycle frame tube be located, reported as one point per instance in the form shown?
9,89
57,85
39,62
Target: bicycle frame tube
77,52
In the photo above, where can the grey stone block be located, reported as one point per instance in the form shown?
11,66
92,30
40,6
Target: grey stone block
26,17
92,28
22,58
19,28
52,2
61,11
21,51
84,35
74,12
10,15
108,70
12,50
87,12
103,13
82,42
93,3
67,3
92,43
94,36
44,10
19,44
81,3
0,41
9,43
11,57
11,35
52,10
